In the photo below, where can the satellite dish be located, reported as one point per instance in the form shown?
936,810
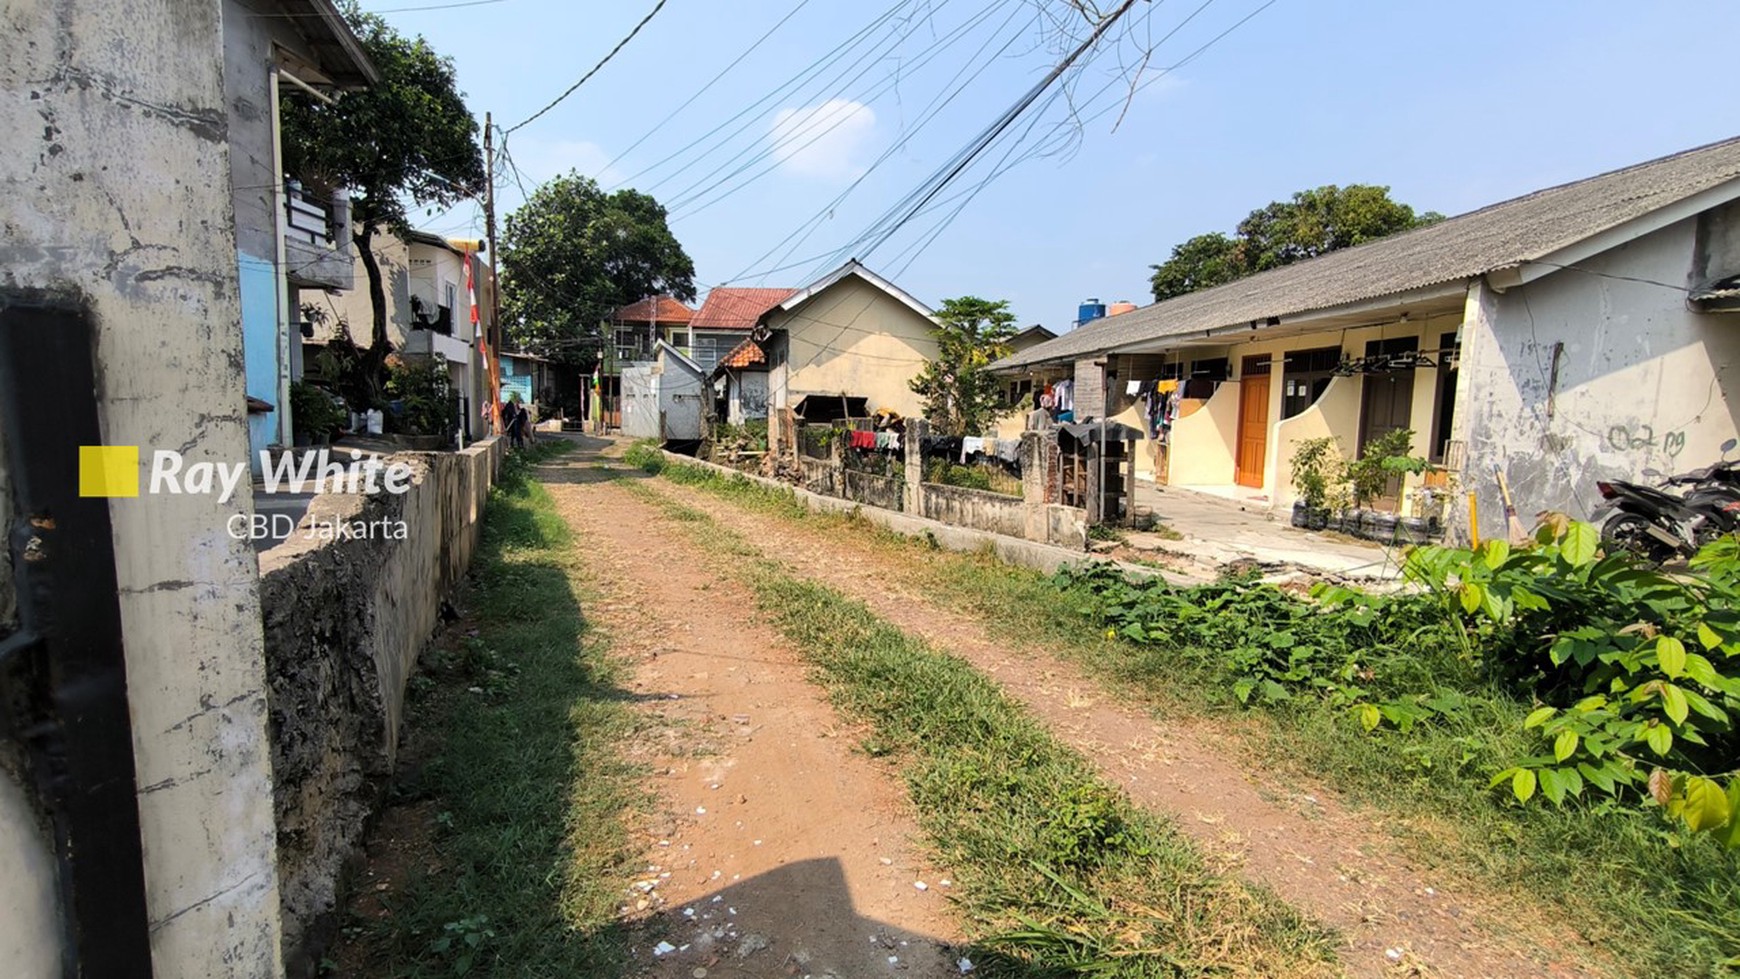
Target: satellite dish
760,334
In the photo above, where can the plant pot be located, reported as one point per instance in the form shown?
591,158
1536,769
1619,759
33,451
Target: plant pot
1301,514
1317,519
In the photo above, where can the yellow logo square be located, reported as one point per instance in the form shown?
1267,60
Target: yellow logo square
108,470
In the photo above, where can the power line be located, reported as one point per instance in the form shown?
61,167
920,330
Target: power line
660,5
704,88
816,67
685,204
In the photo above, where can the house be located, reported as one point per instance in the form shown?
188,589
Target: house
740,383
1577,333
289,241
528,376
634,330
847,345
666,398
1018,391
728,315
438,305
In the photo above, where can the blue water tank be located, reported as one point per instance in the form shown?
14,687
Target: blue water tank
1090,309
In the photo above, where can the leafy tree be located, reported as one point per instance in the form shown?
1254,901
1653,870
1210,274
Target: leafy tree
1312,223
572,254
406,139
960,396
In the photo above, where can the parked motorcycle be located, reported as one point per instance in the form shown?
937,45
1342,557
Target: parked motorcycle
1659,525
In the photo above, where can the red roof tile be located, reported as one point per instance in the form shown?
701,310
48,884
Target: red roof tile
746,354
669,310
732,308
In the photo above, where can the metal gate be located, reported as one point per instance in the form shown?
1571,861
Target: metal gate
64,728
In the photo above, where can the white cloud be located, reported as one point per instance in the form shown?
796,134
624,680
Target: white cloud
831,141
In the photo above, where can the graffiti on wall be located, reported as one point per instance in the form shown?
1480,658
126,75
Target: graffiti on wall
1642,437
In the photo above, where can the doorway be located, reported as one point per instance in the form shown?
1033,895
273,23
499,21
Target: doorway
1253,430
1387,404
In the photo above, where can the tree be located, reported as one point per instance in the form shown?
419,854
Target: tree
960,396
408,137
572,254
1312,223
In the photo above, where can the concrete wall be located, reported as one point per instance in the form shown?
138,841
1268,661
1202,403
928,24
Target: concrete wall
345,621
114,193
1203,441
1334,414
1643,382
978,509
853,339
872,490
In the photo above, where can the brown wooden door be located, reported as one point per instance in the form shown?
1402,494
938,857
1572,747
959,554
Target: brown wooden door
1386,404
1253,431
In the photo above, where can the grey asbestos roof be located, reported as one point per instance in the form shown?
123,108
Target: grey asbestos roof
1466,246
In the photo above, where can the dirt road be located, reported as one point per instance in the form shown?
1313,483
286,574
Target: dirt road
778,851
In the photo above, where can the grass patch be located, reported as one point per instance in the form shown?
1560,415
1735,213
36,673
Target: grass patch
1059,873
1657,901
528,795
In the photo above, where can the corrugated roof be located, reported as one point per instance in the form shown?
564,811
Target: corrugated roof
736,308
1501,235
669,310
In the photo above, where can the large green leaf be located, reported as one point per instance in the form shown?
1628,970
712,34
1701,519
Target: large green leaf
1523,784
1539,716
1673,703
1705,806
1660,738
1670,653
1580,543
1565,744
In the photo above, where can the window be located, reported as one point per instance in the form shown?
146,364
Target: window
1211,369
1304,376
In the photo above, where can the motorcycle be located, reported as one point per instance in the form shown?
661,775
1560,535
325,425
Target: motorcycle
1658,525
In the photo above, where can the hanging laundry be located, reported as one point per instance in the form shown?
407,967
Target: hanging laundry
1009,450
1133,388
1167,387
862,440
971,445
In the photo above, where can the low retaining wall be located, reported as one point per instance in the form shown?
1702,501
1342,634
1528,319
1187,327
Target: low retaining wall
345,620
1013,550
977,509
873,490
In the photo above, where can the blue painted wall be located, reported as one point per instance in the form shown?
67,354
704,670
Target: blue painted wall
259,294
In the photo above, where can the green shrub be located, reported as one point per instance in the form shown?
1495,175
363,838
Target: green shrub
314,413
427,404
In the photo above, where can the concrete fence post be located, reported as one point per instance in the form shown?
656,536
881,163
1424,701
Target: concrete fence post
1033,479
912,495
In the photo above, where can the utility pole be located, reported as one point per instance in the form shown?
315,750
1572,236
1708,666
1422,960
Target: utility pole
494,274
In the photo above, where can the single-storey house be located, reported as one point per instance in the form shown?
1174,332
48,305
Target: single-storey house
1577,333
665,398
740,384
847,345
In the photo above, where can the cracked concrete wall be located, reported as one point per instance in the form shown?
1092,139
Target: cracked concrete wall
1642,381
345,620
114,190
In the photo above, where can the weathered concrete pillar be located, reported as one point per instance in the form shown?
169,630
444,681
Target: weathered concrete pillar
911,497
1033,479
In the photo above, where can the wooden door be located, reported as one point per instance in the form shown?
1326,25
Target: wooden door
1253,430
1386,404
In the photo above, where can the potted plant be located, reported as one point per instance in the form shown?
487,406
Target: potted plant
1317,469
314,414
426,411
1385,459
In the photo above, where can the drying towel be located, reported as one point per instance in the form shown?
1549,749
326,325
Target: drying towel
971,445
862,440
1009,450
1133,388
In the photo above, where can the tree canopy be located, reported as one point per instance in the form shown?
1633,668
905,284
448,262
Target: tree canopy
572,254
1312,223
407,138
960,396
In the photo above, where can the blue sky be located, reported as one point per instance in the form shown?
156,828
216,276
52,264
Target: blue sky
1452,106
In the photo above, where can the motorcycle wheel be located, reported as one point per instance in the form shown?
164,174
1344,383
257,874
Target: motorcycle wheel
1630,532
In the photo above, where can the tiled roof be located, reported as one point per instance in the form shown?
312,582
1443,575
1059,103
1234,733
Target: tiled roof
1513,233
669,310
734,308
746,354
